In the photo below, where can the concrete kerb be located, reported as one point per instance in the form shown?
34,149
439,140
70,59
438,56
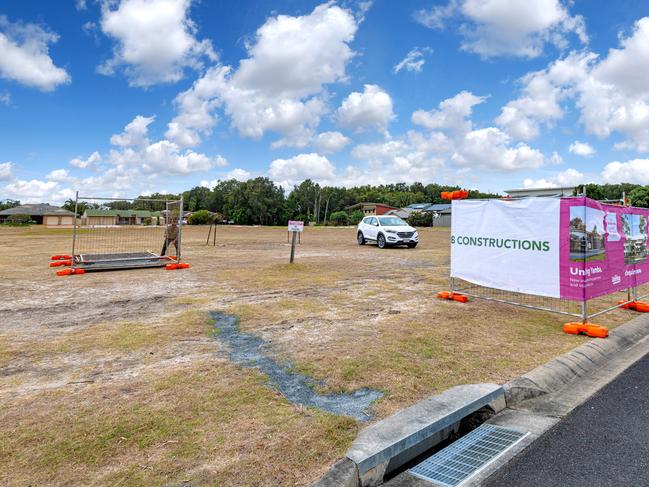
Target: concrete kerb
545,379
576,363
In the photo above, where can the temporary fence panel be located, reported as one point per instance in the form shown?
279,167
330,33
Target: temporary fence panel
565,255
126,233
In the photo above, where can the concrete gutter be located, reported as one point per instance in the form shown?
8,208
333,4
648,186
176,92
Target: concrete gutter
397,439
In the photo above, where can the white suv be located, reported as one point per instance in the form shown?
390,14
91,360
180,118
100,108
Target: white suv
386,231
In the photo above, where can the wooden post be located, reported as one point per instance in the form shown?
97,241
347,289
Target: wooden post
293,247
209,234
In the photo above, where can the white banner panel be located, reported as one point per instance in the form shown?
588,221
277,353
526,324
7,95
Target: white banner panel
507,244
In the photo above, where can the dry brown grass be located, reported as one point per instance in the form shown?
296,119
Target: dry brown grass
115,378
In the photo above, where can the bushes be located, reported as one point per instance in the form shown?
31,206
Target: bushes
420,219
339,218
18,220
356,217
200,217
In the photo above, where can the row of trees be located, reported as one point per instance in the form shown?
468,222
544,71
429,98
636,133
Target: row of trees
260,201
636,194
8,203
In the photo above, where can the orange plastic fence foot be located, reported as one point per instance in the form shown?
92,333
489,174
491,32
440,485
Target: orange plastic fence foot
639,306
68,272
571,328
460,298
588,329
58,263
61,257
173,267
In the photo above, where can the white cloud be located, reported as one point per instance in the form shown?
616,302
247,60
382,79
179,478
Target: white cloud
633,171
288,172
58,175
489,149
507,27
583,149
134,134
155,40
329,142
436,16
164,158
361,10
569,177
24,56
453,136
452,114
407,159
80,4
5,99
135,150
280,86
543,92
414,60
371,109
32,190
6,171
611,94
238,174
89,162
620,68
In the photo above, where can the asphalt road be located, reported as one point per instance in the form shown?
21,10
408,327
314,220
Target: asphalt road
604,442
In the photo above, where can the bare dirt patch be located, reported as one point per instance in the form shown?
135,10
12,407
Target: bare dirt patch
115,378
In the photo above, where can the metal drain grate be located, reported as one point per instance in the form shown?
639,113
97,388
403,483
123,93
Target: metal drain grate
464,458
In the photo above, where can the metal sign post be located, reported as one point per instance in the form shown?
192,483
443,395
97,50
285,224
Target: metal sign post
295,228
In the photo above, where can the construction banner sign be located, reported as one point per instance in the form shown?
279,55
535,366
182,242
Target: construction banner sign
570,248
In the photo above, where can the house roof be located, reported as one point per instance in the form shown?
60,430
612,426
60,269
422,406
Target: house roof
439,207
40,209
556,191
400,212
363,204
124,213
418,206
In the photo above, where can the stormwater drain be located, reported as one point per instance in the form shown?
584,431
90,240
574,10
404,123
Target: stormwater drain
464,458
247,350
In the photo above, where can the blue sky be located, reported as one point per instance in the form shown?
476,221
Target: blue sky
135,96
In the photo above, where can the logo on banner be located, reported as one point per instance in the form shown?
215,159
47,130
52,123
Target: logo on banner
502,243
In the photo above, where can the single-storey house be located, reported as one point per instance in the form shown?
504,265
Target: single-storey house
103,217
371,208
443,212
48,215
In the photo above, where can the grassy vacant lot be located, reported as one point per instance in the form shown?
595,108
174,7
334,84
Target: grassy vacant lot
116,378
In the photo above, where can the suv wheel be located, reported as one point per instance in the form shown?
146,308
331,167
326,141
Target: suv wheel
412,245
380,241
360,238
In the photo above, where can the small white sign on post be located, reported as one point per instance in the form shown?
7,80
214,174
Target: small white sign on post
295,226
